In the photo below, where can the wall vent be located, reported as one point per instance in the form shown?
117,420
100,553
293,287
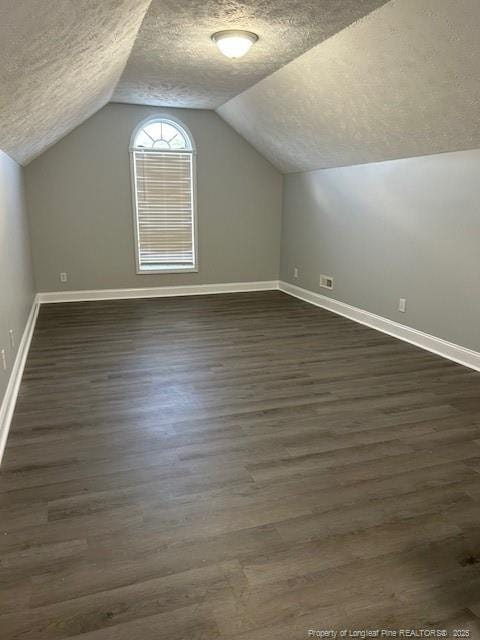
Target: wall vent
326,282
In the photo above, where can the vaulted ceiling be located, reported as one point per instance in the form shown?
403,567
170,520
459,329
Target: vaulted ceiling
175,63
60,60
329,83
404,81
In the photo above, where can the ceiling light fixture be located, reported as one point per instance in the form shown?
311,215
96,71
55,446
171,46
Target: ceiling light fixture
234,43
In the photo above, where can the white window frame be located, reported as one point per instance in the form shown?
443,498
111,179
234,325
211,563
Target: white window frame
173,268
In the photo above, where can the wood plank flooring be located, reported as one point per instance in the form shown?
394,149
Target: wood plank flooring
243,467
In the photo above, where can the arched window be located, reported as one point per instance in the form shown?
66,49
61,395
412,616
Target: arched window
163,176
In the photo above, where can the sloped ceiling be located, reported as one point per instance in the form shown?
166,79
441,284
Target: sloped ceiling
404,81
59,63
175,63
387,80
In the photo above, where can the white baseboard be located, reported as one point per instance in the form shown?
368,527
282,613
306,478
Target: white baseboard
440,347
8,404
155,292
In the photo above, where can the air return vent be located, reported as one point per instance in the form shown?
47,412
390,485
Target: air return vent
326,282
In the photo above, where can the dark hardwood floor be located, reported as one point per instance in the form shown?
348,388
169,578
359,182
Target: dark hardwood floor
240,466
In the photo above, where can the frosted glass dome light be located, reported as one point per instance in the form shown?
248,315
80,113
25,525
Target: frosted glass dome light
233,43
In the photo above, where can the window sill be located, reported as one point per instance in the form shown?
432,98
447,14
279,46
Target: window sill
167,268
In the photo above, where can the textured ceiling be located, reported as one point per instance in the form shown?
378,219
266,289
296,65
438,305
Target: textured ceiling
59,63
403,81
175,63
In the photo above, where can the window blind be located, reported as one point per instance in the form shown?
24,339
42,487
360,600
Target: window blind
164,201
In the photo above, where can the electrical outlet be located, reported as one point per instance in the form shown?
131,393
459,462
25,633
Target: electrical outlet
402,305
11,333
3,359
326,282
63,276
295,272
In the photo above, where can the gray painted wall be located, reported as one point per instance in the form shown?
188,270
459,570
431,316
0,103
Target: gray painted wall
16,275
406,228
80,206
